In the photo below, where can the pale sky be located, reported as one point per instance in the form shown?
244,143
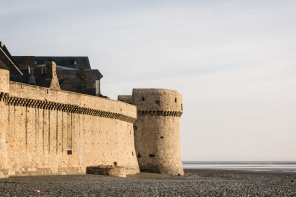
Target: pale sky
233,61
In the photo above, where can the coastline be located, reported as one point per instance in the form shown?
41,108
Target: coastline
272,166
196,182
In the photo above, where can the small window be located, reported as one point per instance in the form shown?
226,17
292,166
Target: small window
143,99
69,152
75,62
157,102
151,155
35,62
176,100
139,155
132,153
181,106
135,127
161,137
115,163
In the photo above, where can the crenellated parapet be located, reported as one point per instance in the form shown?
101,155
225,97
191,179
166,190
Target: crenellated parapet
16,101
157,100
71,102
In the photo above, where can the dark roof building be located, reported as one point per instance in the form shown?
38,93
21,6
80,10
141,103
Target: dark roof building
74,73
75,62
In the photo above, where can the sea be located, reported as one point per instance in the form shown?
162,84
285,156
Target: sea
272,166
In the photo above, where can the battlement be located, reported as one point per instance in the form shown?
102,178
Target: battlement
36,96
157,100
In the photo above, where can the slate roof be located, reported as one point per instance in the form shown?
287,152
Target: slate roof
74,72
66,61
93,74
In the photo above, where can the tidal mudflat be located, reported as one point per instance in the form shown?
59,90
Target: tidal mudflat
196,182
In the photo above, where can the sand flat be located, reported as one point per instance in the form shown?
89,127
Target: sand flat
201,182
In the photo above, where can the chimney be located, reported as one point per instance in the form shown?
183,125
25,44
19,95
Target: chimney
32,79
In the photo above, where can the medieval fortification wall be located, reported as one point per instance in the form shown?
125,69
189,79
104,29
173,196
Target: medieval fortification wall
47,131
157,129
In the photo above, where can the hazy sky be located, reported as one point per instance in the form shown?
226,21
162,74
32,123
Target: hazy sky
233,61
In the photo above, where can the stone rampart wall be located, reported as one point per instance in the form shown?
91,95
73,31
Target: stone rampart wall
45,131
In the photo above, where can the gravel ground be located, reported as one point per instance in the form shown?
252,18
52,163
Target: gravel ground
194,183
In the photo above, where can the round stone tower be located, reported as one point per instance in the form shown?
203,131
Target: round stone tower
157,130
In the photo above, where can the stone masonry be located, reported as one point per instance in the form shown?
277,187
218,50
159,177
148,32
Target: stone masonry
157,129
45,130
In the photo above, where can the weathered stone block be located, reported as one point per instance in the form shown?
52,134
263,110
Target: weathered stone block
107,170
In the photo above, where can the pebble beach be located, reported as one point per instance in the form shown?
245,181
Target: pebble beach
196,182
